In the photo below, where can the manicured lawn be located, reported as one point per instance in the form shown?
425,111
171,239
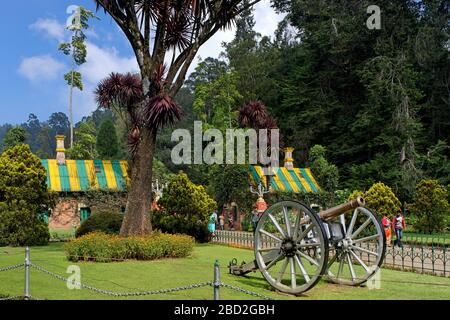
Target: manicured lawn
138,276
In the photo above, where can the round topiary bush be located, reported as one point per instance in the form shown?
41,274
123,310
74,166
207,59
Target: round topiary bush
108,223
382,200
186,209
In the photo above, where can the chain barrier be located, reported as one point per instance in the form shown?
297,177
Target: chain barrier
247,292
12,298
122,294
17,266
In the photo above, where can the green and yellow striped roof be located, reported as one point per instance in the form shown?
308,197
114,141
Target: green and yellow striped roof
298,180
84,175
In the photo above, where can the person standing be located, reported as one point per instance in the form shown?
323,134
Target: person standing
222,222
215,216
399,226
212,224
386,222
255,219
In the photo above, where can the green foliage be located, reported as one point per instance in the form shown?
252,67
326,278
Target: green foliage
100,247
216,102
14,137
84,146
108,223
74,79
326,173
23,197
107,142
186,208
381,199
22,227
430,206
229,183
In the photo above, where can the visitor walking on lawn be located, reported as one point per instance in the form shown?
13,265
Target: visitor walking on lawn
399,226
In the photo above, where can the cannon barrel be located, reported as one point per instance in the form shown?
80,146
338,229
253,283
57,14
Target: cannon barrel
335,212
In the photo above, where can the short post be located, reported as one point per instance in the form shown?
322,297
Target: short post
216,281
26,295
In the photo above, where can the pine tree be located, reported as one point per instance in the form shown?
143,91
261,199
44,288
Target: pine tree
107,142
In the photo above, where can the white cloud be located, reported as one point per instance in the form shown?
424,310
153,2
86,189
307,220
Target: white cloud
51,27
102,61
40,68
266,24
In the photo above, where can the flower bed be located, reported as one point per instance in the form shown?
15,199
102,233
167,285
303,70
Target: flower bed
100,247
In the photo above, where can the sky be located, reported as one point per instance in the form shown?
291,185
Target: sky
32,68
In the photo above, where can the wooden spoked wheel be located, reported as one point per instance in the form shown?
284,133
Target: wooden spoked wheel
357,257
291,247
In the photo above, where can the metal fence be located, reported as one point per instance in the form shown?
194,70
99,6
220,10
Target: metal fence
216,284
413,256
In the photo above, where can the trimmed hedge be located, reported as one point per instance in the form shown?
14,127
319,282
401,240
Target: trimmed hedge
109,223
101,247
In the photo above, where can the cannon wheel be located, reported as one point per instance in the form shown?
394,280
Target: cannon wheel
291,235
359,256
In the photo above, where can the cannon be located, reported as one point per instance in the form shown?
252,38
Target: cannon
295,247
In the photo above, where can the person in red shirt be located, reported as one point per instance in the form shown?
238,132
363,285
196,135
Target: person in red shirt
386,222
399,227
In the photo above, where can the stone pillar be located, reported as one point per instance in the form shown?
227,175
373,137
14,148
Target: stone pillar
289,159
60,150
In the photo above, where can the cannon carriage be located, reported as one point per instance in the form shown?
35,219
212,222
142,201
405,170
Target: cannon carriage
295,247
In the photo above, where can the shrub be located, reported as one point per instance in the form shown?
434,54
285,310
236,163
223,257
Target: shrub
22,227
382,200
23,197
430,207
101,247
108,223
186,209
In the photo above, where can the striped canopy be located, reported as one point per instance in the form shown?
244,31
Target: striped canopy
284,180
84,175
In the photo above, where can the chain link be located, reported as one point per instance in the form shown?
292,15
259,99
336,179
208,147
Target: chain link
122,294
250,293
17,266
12,298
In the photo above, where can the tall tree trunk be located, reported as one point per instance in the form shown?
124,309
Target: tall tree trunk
137,214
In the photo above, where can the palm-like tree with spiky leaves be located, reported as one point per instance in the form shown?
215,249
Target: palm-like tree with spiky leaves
158,31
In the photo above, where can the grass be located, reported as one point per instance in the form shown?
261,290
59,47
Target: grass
61,234
136,276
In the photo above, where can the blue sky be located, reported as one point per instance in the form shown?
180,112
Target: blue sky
32,69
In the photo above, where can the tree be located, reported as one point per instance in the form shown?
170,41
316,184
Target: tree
215,102
14,137
156,30
326,173
382,200
186,208
76,48
84,146
229,183
107,143
43,140
430,206
23,197
207,71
